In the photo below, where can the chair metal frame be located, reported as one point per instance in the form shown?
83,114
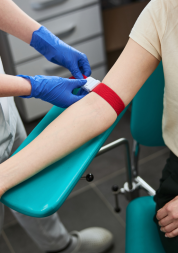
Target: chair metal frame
1,216
134,182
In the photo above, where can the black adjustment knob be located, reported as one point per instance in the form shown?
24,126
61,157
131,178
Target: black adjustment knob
89,177
117,209
115,188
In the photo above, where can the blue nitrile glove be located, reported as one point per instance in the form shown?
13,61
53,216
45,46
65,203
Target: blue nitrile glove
58,52
55,90
82,92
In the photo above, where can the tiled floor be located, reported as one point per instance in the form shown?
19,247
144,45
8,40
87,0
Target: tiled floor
91,204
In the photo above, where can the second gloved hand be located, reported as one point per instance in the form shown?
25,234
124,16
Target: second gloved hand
58,52
55,90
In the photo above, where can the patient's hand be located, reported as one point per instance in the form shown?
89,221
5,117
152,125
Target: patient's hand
168,218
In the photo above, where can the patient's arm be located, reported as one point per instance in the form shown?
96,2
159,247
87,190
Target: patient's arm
82,121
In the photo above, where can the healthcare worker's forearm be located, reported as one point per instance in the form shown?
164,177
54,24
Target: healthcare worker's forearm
16,22
14,86
81,122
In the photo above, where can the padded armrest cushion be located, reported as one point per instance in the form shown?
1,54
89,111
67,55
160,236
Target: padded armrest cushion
141,232
44,193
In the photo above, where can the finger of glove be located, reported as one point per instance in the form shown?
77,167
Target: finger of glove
85,67
76,72
77,83
86,70
82,92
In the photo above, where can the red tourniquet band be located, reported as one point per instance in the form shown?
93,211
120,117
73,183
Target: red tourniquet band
72,77
110,96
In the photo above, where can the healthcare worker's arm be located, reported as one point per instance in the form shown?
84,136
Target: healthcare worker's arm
55,90
14,86
14,21
82,121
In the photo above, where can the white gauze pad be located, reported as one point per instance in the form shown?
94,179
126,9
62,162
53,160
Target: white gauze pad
91,84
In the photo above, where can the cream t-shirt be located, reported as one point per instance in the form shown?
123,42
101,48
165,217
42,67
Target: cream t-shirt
156,30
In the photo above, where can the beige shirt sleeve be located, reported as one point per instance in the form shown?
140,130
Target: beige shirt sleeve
150,26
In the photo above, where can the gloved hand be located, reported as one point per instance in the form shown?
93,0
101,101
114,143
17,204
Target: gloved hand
58,52
55,90
82,92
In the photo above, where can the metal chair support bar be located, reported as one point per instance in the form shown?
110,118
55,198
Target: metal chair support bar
114,144
2,216
145,186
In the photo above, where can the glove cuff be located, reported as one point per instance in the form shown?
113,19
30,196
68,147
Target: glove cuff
42,40
32,91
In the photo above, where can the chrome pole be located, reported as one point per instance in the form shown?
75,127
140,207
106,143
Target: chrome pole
135,153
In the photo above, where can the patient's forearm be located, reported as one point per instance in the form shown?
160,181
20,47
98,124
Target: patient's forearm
82,121
78,124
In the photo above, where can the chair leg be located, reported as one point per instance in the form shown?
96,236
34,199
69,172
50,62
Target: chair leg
1,216
134,182
114,144
139,181
135,156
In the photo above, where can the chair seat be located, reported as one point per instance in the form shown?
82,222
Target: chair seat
141,231
44,193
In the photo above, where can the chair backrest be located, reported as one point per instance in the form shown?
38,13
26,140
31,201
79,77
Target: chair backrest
147,110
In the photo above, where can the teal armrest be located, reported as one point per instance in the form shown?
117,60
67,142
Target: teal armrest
141,232
44,193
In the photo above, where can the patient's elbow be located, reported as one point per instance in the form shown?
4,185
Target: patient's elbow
106,115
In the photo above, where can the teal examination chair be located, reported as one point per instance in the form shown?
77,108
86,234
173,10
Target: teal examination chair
44,193
146,128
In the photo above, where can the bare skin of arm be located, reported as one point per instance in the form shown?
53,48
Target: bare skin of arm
14,86
16,22
82,121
